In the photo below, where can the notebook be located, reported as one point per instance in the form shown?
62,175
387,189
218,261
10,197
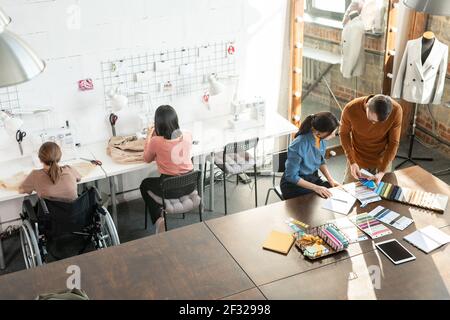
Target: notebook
428,239
340,201
280,242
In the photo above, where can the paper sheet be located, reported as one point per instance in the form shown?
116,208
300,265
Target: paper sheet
340,202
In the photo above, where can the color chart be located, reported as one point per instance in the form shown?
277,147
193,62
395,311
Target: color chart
422,199
371,226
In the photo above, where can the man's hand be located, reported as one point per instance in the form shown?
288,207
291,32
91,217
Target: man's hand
323,192
354,170
378,177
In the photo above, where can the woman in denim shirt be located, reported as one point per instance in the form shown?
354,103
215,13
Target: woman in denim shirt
306,155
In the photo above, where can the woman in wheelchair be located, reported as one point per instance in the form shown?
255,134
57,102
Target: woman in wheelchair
61,223
171,149
52,181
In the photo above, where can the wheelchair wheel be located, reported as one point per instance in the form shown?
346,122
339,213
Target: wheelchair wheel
109,236
30,247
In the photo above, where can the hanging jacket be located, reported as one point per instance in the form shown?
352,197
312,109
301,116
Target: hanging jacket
421,83
352,43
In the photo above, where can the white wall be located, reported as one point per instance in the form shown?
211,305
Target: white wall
75,36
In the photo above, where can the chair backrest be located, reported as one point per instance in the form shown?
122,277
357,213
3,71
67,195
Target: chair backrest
279,161
241,146
178,186
56,218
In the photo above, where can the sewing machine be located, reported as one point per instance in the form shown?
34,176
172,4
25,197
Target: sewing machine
248,113
62,136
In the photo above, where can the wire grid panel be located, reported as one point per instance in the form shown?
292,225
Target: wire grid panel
152,79
9,100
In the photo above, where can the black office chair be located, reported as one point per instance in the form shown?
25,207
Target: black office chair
174,199
234,160
51,227
278,165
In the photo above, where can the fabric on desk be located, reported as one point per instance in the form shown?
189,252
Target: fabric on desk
64,189
12,183
126,149
153,184
290,190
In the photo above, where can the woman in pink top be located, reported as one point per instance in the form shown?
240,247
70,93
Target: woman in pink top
171,150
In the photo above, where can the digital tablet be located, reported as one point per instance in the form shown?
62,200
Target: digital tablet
395,251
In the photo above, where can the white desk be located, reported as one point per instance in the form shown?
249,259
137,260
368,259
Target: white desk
212,135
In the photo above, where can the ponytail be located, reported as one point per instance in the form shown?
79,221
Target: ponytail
54,172
323,121
306,125
50,154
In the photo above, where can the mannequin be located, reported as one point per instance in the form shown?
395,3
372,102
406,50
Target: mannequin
427,44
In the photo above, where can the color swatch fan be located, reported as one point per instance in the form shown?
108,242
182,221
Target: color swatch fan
427,200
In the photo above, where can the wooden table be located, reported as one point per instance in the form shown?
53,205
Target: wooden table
186,263
224,259
242,234
428,277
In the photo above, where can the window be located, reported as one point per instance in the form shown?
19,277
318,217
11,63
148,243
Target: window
333,10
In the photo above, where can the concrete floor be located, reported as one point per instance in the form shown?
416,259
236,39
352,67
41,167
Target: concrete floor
131,214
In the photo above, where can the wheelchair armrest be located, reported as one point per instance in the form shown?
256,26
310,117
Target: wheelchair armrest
28,208
43,206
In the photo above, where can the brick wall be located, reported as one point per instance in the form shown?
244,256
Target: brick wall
441,113
327,38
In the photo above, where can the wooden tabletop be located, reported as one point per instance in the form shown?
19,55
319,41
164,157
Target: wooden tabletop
186,263
223,259
427,277
243,233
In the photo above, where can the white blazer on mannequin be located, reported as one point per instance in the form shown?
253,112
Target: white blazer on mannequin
419,83
353,56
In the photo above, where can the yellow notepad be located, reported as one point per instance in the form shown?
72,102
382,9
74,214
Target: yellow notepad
279,242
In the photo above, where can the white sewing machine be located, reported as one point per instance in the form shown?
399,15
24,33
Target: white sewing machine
61,136
248,113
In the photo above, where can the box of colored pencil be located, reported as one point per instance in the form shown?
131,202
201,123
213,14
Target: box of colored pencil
427,200
322,241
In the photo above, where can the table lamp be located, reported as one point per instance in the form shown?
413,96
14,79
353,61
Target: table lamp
13,127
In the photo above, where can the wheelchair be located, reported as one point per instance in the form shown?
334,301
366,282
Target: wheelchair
84,222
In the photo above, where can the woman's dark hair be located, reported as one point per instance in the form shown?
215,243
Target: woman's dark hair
323,121
166,122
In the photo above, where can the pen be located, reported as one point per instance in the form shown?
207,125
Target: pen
339,200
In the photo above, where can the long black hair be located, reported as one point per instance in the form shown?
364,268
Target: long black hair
323,121
166,122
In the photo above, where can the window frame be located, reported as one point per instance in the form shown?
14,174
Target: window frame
318,13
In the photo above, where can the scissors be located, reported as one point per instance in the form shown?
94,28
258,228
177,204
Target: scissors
19,138
113,119
93,161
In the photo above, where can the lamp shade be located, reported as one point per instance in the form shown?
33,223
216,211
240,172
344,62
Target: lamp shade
18,62
215,87
434,7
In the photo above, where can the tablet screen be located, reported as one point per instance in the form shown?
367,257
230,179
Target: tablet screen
395,251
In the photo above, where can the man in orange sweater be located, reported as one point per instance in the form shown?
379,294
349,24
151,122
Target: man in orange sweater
370,135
